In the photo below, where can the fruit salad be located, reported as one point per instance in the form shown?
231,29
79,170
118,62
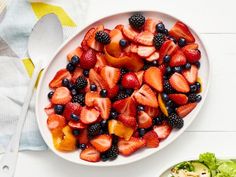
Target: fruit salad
124,89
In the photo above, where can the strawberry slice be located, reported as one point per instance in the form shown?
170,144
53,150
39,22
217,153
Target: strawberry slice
146,96
192,53
152,112
57,79
49,109
179,83
134,48
129,33
90,97
127,148
111,75
112,92
128,121
140,76
178,59
61,96
102,142
130,80
151,138
56,121
95,78
162,131
76,125
78,72
71,108
150,25
92,43
125,106
119,27
181,30
144,38
84,45
101,62
153,77
89,115
153,57
145,51
104,106
184,110
76,52
83,136
191,74
90,154
144,120
167,48
179,98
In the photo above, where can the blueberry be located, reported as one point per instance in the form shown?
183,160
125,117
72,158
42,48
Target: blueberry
103,93
172,39
198,98
123,43
104,157
154,63
193,88
198,86
157,121
74,117
73,92
113,114
50,94
59,109
93,87
168,70
75,60
166,58
103,124
121,88
165,97
65,82
70,67
141,132
166,32
165,77
160,27
82,146
198,64
182,42
177,69
140,108
129,91
75,132
70,86
169,110
187,66
169,103
124,71
86,72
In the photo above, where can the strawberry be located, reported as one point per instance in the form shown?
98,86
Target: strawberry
130,80
153,57
49,109
89,115
102,142
61,96
88,59
146,96
144,120
127,148
152,112
112,92
179,98
101,62
129,33
92,43
140,76
111,75
184,110
84,45
181,30
153,77
83,136
57,79
78,72
90,97
134,48
76,52
128,121
179,83
76,125
125,106
150,25
167,48
192,53
90,154
162,131
144,38
104,106
56,121
95,78
145,51
151,138
71,108
191,74
178,59
119,27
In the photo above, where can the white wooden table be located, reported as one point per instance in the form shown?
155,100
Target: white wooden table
214,129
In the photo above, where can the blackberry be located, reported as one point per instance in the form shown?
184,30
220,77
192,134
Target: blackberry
167,87
80,98
113,152
81,82
104,157
102,37
175,121
192,97
121,96
94,130
158,40
137,21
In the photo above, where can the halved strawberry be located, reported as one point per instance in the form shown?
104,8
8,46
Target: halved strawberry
192,53
127,148
112,92
153,77
78,72
134,48
92,43
191,74
119,27
90,154
61,96
101,62
162,131
90,97
130,80
89,115
49,109
145,51
84,45
125,106
146,96
145,38
181,30
129,33
144,120
88,59
152,112
56,121
102,142
83,136
152,140
95,78
128,121
76,52
178,98
76,125
184,110
178,59
150,25
167,48
140,76
111,75
153,57
179,83
71,108
104,106
57,79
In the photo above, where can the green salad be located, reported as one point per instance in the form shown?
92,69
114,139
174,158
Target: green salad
206,166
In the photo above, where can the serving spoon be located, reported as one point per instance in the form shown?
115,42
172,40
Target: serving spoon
45,38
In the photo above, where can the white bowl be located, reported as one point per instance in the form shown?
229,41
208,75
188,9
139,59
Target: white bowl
59,61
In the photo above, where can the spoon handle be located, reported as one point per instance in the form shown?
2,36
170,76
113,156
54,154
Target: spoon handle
9,159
